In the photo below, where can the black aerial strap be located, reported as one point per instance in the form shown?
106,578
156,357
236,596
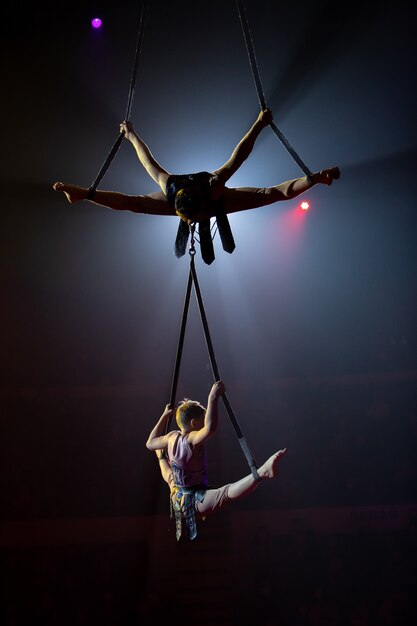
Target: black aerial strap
192,278
132,88
175,376
261,96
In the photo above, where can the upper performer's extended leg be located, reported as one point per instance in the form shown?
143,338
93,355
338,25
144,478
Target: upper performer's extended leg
151,204
245,198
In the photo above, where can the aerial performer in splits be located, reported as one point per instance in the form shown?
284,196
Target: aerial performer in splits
182,459
196,198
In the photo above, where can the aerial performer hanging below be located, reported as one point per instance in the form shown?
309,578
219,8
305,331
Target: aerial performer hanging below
196,198
182,460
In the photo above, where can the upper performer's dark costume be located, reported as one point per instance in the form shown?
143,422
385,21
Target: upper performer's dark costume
199,186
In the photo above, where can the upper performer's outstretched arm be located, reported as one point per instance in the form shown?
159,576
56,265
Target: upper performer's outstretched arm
145,156
244,148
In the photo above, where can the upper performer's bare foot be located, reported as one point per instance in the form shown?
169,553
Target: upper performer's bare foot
73,192
329,175
270,468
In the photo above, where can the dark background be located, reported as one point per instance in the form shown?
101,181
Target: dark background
312,317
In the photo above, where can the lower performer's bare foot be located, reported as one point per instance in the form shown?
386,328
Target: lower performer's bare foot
270,468
73,192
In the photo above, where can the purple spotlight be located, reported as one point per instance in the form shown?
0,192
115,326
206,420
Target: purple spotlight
96,22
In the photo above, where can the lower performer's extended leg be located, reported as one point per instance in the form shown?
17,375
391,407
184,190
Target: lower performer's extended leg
246,485
152,204
215,499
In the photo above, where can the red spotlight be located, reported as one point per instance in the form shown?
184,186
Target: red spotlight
305,205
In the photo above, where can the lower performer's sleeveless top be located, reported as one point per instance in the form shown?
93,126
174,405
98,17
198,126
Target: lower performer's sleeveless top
189,466
189,470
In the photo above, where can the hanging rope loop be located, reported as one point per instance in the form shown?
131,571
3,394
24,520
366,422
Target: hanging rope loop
133,79
192,250
259,89
193,280
114,149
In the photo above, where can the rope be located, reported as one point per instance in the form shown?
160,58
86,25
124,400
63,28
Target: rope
175,376
131,94
258,84
251,461
132,87
192,278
